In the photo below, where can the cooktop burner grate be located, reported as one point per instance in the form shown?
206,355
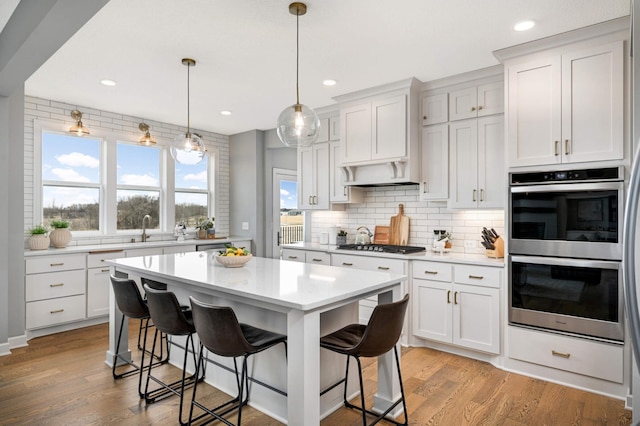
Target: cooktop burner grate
382,248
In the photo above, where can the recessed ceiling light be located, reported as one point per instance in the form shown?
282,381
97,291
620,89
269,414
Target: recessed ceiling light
329,82
524,25
107,82
225,112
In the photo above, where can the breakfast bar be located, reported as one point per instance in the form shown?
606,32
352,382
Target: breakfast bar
301,300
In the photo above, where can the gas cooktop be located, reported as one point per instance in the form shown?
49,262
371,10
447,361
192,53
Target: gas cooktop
382,248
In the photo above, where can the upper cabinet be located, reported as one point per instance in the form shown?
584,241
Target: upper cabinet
313,177
435,109
566,97
379,135
434,184
329,130
471,102
339,192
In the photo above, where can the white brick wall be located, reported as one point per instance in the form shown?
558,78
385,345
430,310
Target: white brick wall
109,121
382,202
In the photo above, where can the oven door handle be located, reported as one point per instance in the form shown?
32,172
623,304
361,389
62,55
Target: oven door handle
570,187
629,258
563,261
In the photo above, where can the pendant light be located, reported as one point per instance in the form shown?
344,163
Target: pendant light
147,139
78,128
188,148
298,125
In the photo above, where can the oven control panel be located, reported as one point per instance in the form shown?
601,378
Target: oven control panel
583,175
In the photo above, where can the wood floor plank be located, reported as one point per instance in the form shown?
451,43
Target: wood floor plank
62,380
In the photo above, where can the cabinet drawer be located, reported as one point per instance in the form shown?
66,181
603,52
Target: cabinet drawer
96,259
293,255
44,313
478,275
54,284
434,271
318,258
55,263
586,357
381,264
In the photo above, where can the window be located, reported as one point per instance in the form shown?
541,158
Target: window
138,193
71,180
192,195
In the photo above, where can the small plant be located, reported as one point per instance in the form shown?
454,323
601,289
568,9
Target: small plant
342,233
205,223
38,230
59,224
446,236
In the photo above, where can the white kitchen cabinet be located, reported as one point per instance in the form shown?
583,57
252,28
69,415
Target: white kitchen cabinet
397,266
313,177
375,130
306,256
54,290
457,304
340,193
567,108
435,109
476,101
477,163
329,130
434,184
98,281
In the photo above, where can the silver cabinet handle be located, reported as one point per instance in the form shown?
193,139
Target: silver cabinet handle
560,354
292,257
482,195
566,147
57,284
474,195
431,272
347,264
104,270
555,149
56,264
448,296
476,277
316,260
424,187
455,298
57,311
383,268
310,202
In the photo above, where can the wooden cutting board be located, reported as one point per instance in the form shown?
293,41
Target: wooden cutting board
399,228
381,235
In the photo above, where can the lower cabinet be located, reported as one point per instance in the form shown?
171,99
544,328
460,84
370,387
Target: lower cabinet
397,266
98,282
457,304
306,256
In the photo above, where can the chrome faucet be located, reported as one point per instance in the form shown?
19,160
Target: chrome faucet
144,228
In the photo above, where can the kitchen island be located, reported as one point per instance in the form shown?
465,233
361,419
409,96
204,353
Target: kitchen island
301,300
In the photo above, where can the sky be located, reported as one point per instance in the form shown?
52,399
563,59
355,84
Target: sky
288,194
66,158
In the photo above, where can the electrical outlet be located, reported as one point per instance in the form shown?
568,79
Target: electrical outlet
470,244
245,226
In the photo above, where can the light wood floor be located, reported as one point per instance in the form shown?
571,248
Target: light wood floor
62,380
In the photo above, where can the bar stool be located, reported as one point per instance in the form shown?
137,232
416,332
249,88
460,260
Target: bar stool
132,305
221,333
169,318
376,338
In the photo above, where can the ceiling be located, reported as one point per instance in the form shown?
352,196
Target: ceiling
245,52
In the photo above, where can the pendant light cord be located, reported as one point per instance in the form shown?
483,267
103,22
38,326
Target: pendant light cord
188,135
297,53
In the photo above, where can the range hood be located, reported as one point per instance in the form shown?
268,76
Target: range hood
386,173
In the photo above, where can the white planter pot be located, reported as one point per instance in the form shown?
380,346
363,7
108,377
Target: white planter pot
39,242
60,237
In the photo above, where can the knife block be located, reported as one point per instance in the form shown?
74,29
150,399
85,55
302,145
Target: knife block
498,252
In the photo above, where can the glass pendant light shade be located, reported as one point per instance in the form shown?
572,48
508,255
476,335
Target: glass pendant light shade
147,139
78,128
298,125
188,148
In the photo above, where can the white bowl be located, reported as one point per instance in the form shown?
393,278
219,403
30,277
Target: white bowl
233,261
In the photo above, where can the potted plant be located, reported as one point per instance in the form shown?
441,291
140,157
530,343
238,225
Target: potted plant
342,237
446,237
206,228
39,239
60,236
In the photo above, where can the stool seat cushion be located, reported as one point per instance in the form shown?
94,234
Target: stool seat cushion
261,339
344,340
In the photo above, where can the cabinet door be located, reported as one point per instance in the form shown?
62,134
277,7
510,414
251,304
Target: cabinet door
464,164
491,166
476,317
321,175
592,104
435,163
389,128
323,133
293,255
306,191
338,193
355,133
432,310
490,99
534,113
435,109
98,283
334,129
317,258
463,104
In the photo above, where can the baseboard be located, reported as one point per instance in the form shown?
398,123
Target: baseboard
5,349
18,342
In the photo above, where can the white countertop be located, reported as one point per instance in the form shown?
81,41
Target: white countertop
130,246
451,257
288,284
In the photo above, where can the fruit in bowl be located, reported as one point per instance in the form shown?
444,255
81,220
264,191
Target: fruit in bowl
233,257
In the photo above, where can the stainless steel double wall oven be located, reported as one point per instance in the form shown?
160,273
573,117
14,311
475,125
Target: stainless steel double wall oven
565,251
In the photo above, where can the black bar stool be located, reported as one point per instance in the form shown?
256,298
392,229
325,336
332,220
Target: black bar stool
132,305
221,333
169,317
376,338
